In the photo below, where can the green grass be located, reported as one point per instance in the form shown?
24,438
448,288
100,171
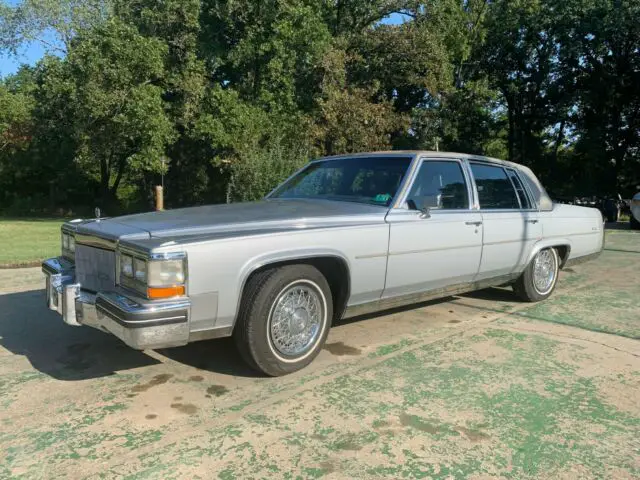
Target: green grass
28,241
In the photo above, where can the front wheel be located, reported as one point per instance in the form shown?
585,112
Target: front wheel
284,319
633,223
539,279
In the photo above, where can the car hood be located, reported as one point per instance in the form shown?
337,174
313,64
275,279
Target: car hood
237,219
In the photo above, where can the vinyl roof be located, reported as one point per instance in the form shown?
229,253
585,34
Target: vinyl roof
412,153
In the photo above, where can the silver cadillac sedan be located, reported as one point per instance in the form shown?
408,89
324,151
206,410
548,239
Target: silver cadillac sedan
344,236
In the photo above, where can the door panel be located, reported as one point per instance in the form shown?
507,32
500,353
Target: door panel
430,253
510,227
508,239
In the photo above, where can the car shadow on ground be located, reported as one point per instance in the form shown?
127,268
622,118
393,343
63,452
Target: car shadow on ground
28,328
217,356
497,294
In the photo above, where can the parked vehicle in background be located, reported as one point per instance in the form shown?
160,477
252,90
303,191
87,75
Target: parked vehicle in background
610,207
634,217
344,236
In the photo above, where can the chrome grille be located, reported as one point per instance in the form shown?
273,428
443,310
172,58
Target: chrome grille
95,268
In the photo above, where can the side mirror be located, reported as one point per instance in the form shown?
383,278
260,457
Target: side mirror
424,208
425,212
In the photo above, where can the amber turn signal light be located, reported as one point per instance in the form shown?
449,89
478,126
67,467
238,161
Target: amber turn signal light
155,293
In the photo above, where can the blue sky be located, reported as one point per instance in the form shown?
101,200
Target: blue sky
32,52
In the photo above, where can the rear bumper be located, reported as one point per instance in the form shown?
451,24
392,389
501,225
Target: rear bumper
138,323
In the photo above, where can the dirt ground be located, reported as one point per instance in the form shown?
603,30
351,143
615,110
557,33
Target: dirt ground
476,386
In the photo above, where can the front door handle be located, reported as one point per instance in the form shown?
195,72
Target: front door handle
532,221
477,224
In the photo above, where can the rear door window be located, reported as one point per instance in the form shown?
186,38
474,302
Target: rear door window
495,190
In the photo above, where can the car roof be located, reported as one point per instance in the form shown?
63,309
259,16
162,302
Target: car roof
414,153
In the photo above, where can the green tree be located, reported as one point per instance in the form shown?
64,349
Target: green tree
52,23
268,51
110,83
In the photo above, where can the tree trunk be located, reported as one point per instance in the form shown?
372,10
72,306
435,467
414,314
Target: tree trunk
104,183
510,133
556,148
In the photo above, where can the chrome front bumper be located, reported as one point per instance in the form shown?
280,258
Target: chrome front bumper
139,323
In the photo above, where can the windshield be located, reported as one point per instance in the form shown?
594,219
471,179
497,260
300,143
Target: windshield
371,180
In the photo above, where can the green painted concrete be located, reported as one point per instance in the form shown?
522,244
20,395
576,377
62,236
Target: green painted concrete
473,386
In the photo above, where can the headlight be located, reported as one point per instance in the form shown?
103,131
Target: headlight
68,244
126,266
166,273
157,278
140,270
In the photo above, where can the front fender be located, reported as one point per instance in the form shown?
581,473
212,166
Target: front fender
272,258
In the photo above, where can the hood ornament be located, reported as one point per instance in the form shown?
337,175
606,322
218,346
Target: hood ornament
97,212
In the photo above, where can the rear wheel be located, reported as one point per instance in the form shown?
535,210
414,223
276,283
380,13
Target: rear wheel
284,319
633,223
539,279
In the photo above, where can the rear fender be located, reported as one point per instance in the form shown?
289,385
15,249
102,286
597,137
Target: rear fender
548,243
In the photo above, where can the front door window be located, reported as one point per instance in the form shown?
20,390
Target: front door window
440,185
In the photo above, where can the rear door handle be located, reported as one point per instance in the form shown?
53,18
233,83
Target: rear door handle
532,221
477,224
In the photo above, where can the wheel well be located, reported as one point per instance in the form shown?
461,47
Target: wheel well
563,253
334,269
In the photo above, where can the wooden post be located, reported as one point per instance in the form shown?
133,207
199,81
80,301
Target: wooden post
159,198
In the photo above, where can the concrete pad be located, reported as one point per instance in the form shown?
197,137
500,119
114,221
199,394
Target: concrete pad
476,386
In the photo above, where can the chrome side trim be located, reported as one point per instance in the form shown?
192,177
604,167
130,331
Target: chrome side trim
501,242
425,250
210,334
414,298
371,255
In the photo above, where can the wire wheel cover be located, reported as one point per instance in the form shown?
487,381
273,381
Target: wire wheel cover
296,319
544,271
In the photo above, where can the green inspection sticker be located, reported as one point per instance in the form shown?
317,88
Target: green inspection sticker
382,197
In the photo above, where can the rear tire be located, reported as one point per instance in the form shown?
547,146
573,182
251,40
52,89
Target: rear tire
633,223
539,279
284,319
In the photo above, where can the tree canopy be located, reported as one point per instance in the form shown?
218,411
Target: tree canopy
224,98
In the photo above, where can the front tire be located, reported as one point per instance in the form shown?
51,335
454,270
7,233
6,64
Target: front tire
284,319
633,223
539,279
